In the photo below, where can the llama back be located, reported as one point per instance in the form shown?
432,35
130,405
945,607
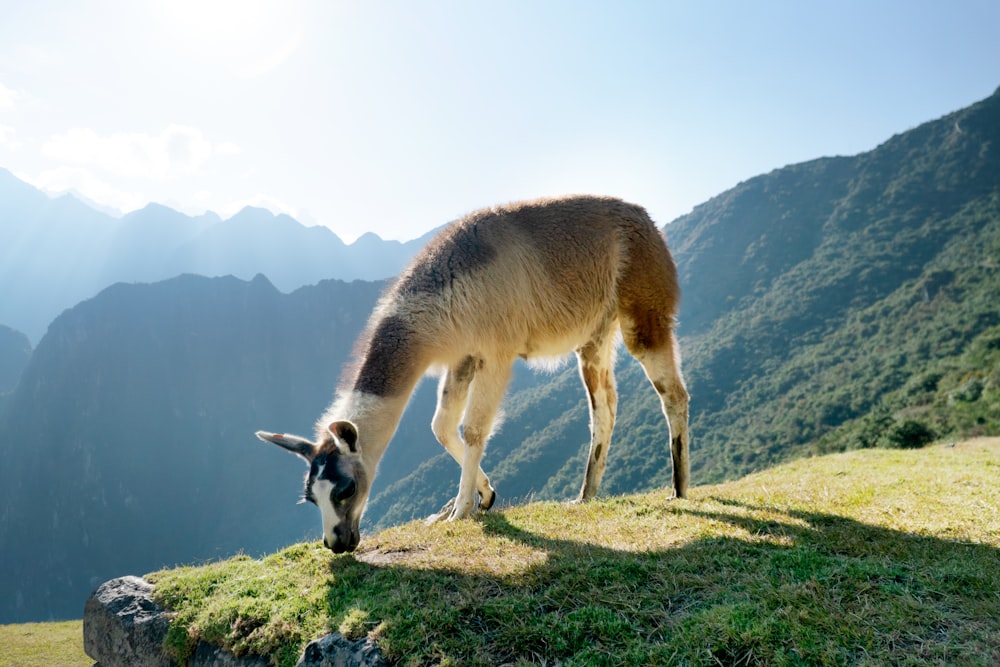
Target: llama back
540,277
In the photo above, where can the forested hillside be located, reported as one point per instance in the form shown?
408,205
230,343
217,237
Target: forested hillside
844,302
848,294
129,439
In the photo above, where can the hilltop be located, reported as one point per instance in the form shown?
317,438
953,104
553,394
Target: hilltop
872,557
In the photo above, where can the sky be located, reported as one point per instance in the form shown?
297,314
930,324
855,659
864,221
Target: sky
396,117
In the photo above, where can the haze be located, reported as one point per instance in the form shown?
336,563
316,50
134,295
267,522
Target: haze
395,117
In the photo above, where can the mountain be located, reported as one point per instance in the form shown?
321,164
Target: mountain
55,253
129,439
15,350
128,442
845,301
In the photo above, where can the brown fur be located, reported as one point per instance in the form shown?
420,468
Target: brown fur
533,279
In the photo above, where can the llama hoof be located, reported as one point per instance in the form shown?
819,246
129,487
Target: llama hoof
443,514
461,510
486,502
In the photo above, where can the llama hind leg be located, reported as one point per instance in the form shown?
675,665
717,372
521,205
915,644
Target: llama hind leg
662,365
597,370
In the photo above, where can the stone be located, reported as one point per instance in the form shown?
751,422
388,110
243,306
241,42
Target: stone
123,626
337,651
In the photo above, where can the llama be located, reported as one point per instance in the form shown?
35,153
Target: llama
534,280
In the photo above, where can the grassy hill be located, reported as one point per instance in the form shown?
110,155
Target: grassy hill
878,556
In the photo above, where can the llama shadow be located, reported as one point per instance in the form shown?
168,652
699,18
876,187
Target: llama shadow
763,586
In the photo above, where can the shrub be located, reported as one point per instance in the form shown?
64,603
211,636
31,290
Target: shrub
910,434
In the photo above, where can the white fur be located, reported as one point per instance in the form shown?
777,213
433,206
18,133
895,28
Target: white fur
534,280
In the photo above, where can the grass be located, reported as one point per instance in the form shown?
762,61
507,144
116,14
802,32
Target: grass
36,644
867,557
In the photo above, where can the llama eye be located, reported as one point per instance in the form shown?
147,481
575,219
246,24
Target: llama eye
346,492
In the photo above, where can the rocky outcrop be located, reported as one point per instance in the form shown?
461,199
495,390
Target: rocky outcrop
123,626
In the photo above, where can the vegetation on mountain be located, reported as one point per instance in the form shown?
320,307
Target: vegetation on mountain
843,303
813,296
129,440
15,350
877,557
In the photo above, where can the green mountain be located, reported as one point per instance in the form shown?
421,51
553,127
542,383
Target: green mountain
844,302
15,350
129,438
813,296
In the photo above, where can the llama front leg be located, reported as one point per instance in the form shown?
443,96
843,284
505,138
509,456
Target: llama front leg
487,393
453,393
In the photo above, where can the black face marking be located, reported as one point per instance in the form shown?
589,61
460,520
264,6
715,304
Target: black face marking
332,484
338,471
344,492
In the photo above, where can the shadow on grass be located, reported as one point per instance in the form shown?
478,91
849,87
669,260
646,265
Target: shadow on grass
802,588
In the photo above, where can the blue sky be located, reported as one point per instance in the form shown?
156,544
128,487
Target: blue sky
395,117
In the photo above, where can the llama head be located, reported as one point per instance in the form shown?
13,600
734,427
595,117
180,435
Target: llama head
336,482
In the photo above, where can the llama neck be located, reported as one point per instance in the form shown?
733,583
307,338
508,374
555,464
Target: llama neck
376,418
390,368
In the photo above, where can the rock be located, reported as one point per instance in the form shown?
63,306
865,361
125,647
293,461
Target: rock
206,655
336,651
123,626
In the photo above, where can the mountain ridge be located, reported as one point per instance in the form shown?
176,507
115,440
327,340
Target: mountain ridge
838,303
56,252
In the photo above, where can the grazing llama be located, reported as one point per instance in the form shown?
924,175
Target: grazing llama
532,280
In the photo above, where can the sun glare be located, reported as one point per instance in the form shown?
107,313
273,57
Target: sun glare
251,37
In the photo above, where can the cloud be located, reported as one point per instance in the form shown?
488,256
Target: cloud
9,98
249,37
6,137
178,150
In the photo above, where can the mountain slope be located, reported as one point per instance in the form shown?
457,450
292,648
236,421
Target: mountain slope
129,439
874,557
811,295
15,350
841,303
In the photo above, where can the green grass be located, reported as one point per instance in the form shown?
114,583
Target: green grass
37,644
867,557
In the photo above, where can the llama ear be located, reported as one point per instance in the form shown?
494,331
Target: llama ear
346,432
293,443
